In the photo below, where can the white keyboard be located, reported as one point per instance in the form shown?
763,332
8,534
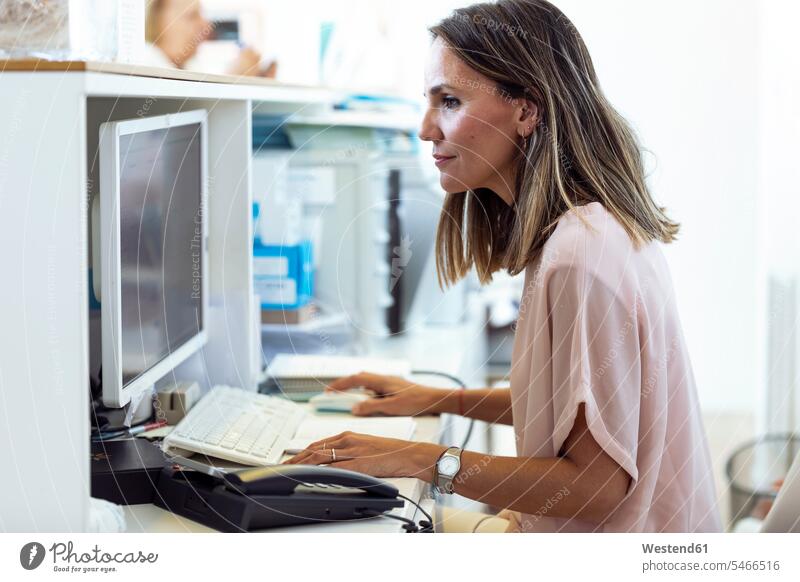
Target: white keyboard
232,424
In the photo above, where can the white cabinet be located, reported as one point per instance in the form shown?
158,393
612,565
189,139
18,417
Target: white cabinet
48,170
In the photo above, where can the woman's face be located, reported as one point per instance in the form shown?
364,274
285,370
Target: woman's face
476,130
182,28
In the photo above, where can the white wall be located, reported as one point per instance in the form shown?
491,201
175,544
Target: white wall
684,73
779,192
779,135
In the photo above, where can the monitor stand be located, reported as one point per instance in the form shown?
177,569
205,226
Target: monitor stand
135,412
140,408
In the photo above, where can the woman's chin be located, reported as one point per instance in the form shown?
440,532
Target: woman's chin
450,185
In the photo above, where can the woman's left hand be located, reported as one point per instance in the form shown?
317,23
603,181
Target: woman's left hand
376,456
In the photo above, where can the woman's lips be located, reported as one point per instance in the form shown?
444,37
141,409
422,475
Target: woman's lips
441,160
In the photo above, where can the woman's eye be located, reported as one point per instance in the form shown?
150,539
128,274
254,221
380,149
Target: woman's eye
450,102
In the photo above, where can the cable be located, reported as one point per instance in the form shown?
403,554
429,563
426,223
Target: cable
462,386
409,525
424,525
102,436
427,523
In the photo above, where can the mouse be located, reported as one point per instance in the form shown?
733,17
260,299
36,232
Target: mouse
338,401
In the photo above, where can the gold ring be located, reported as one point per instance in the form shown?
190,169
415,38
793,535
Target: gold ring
324,444
333,452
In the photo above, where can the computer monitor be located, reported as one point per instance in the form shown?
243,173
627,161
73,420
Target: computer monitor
150,252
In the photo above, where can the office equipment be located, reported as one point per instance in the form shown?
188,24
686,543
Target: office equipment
337,401
784,517
284,317
153,176
416,204
274,496
346,210
106,434
283,479
126,472
175,400
301,376
231,424
283,275
399,255
278,210
256,429
325,333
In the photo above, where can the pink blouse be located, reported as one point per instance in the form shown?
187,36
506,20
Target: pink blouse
598,325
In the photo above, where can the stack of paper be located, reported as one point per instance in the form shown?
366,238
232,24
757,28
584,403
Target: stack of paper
300,376
315,428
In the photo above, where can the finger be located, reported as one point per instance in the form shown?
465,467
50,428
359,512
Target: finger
331,441
374,382
383,405
298,458
322,457
312,458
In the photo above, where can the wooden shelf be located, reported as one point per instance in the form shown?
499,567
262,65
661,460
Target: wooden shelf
42,65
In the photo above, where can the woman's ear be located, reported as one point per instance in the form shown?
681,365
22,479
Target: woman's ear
526,116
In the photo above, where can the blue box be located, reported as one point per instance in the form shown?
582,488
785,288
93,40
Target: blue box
283,275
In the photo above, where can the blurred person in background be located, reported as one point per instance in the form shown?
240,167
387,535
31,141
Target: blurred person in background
174,29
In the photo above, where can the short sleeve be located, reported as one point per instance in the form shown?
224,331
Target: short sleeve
596,361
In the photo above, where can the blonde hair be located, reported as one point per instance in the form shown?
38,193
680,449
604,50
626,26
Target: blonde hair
151,23
581,151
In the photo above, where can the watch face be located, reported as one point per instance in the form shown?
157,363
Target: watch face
448,466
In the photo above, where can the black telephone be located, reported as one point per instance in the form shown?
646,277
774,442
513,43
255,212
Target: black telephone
273,496
284,479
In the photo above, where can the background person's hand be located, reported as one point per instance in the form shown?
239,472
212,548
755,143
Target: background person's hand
248,62
395,396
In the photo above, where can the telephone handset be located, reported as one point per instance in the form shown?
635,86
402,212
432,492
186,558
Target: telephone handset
284,479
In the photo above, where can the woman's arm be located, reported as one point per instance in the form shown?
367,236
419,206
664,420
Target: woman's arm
488,404
583,482
401,397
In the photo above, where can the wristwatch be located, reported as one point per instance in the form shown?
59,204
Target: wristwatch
446,469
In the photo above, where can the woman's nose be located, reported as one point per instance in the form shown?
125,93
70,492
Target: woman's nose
429,130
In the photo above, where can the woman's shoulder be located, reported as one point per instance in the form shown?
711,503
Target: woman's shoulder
589,239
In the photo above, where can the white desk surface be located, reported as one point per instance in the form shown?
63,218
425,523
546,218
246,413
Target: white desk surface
147,518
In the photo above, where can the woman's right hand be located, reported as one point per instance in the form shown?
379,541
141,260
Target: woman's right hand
394,396
247,62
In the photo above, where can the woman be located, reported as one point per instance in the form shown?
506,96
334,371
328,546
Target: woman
174,29
542,175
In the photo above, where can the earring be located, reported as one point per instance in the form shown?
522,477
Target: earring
526,140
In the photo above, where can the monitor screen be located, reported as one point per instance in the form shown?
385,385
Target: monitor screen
161,233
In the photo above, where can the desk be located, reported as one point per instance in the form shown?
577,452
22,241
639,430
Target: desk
456,350
147,518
